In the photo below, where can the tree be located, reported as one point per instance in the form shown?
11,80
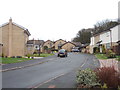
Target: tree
83,36
104,25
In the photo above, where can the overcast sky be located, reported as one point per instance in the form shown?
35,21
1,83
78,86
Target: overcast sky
57,19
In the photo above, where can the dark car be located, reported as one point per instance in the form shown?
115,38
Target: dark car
62,53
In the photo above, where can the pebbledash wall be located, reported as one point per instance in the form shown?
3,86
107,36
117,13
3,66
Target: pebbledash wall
14,39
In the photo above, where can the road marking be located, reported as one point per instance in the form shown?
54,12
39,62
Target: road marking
51,86
47,81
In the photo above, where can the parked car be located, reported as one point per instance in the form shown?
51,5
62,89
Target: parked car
75,49
62,53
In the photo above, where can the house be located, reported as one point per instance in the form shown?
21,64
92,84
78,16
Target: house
68,46
14,39
1,43
47,45
34,46
58,44
107,38
1,49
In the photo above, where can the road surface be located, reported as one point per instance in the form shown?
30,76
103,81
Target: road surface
56,70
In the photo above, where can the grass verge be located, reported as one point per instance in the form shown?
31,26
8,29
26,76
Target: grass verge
101,56
42,55
104,57
13,60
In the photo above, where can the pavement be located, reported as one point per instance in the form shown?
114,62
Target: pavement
56,72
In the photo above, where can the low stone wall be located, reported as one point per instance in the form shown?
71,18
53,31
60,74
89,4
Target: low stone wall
109,63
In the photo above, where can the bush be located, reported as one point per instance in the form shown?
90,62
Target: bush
2,55
87,78
103,49
28,55
96,50
118,58
13,57
18,56
108,76
110,54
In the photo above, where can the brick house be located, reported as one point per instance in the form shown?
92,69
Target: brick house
68,46
14,39
47,45
59,43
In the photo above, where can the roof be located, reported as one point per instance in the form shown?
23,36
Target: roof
35,42
78,44
1,44
59,40
118,41
68,42
26,30
96,34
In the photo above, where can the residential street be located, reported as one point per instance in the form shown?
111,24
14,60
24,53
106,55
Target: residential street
57,72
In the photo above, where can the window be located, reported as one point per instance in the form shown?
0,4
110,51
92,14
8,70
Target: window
108,45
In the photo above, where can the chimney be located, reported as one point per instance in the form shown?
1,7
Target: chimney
10,38
10,20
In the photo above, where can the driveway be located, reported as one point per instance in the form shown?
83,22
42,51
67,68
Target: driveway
54,73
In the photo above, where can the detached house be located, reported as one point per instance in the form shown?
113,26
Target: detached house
109,38
34,46
68,46
14,39
58,44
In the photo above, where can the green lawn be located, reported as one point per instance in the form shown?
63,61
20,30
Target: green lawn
17,60
42,55
13,60
101,56
118,58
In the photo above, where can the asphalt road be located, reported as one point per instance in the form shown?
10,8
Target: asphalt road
42,74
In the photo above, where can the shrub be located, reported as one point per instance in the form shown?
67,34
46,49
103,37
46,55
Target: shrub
108,76
87,78
13,57
2,55
118,59
28,55
18,56
103,49
96,50
110,54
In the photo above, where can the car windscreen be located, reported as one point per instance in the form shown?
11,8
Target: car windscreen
62,50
